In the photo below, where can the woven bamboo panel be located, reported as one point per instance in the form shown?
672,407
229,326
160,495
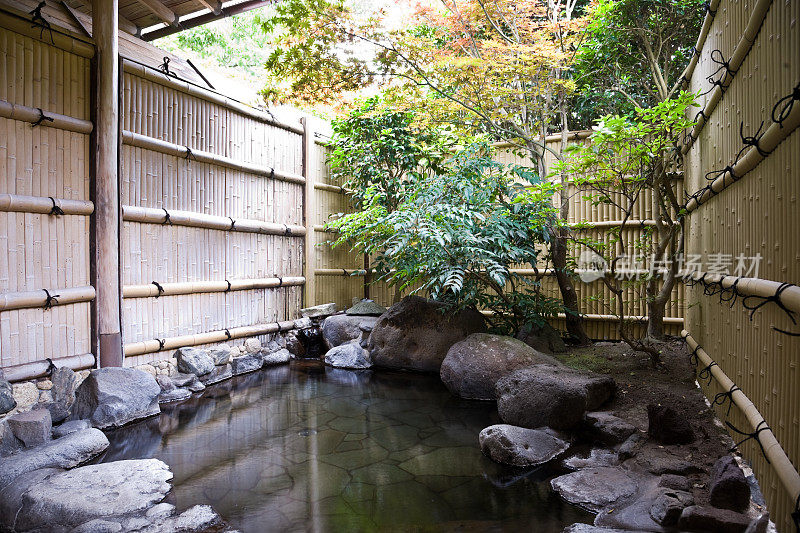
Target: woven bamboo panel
39,251
169,253
756,215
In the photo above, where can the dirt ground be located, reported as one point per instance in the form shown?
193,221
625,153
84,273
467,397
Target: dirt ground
639,384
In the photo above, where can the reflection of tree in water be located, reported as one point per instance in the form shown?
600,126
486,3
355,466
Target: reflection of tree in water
304,446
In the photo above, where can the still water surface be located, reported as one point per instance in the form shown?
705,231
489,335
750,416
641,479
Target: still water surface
304,447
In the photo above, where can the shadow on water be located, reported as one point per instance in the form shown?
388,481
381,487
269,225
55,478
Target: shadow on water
309,447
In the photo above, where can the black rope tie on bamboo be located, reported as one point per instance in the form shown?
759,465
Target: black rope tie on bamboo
755,435
712,12
228,334
42,118
344,272
233,224
705,372
229,286
776,299
694,360
167,220
189,154
51,367
159,287
751,141
40,22
51,300
271,173
280,281
724,65
161,343
783,107
721,397
164,67
55,210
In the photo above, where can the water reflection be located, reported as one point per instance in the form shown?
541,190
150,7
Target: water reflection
306,447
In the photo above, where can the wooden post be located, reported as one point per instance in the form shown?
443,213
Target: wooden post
309,204
106,184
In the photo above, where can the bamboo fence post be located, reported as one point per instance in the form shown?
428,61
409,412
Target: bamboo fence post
106,190
309,171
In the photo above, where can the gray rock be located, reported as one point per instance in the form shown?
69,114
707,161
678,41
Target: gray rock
66,452
11,495
668,506
544,338
8,442
553,396
189,381
112,397
252,345
31,428
94,492
341,329
473,366
701,518
675,482
595,488
273,346
630,447
350,355
303,323
222,354
294,345
7,401
65,383
194,361
667,426
597,457
521,447
608,428
588,528
219,373
280,357
366,308
198,518
759,525
174,395
166,383
71,427
416,333
661,460
98,526
632,517
318,310
729,488
366,331
246,363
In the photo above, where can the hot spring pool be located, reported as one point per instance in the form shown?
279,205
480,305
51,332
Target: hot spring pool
307,447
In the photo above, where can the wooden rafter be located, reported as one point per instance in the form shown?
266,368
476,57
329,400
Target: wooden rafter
164,13
214,6
206,18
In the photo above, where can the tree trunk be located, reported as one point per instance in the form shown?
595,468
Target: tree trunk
574,322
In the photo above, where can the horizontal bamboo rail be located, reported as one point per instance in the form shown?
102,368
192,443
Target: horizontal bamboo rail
761,288
41,117
774,135
204,287
157,145
606,318
39,204
20,22
340,272
773,451
740,52
156,76
330,188
39,369
571,136
172,343
611,224
149,215
319,228
34,299
701,41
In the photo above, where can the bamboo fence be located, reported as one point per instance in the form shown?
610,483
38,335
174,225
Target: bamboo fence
742,164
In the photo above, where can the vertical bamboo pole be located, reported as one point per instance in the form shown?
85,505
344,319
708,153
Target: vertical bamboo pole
106,187
309,171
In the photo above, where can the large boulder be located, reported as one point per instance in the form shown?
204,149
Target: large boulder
668,426
729,487
103,491
350,355
194,361
66,452
112,397
701,518
473,366
544,338
521,447
341,329
279,357
7,401
415,334
245,363
554,396
65,383
608,428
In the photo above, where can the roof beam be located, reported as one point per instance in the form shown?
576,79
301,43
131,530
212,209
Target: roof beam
214,5
166,15
205,18
82,19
